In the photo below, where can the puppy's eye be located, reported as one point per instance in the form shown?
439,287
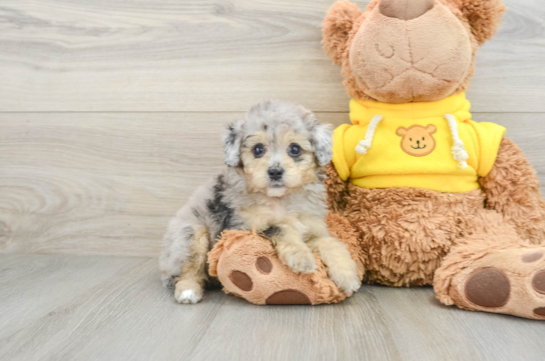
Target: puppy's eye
294,150
258,150
423,138
411,139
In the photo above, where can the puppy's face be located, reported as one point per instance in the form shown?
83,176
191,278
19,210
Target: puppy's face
276,161
280,148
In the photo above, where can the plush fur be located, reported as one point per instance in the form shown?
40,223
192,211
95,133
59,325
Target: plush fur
512,189
279,191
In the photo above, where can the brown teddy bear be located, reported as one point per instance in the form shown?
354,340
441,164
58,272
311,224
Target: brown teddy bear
420,193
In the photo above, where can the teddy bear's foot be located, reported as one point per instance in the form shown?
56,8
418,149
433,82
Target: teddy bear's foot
248,266
510,281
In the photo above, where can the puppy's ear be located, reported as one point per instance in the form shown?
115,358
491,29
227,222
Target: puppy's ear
321,137
336,27
231,144
484,17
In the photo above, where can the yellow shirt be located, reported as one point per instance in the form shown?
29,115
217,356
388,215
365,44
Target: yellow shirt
412,145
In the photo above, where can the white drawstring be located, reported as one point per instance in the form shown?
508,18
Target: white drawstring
458,150
366,143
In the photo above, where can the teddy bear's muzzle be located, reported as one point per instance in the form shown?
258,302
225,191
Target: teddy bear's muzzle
405,9
397,61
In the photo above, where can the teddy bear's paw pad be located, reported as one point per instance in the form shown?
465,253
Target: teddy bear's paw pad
263,265
532,257
539,312
241,280
288,297
488,287
538,282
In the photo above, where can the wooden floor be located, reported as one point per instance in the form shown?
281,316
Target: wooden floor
113,308
111,113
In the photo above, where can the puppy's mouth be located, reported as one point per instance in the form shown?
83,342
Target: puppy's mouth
276,189
276,184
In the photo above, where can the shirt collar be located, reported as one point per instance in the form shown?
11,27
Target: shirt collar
364,111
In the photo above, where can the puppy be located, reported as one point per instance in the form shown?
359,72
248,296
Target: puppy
273,181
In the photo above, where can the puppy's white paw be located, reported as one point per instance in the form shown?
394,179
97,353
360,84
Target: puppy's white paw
188,296
188,291
300,261
346,279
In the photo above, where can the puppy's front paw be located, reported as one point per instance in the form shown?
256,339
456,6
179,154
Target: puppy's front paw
186,293
188,296
300,260
346,279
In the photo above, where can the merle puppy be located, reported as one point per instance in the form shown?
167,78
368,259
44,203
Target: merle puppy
273,181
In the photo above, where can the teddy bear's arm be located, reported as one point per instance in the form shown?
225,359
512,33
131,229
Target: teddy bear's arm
512,189
336,189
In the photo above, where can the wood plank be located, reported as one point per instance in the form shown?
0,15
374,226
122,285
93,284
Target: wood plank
129,316
377,323
129,313
172,55
33,286
108,183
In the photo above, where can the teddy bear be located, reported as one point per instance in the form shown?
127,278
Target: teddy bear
420,193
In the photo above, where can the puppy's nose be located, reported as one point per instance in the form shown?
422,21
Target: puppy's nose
275,172
405,9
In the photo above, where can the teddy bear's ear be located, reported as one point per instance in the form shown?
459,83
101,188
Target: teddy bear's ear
431,129
484,17
401,131
336,27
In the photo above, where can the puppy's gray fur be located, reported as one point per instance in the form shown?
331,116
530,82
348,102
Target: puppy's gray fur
290,211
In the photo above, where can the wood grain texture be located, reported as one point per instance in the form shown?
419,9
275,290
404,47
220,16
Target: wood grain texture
115,308
92,183
181,55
